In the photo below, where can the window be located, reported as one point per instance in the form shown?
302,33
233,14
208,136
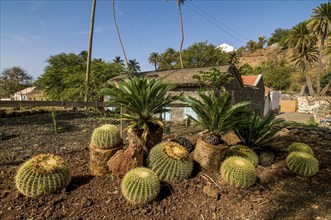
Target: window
189,111
166,115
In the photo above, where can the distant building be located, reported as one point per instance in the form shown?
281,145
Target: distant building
226,48
28,94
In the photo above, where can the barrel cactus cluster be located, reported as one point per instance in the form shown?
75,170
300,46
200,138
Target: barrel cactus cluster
140,186
243,151
301,160
238,172
42,175
170,161
106,136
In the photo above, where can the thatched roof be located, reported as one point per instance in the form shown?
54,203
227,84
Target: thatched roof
183,77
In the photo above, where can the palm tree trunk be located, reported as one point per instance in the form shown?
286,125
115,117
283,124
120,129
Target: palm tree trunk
326,88
309,84
119,35
89,51
182,41
319,68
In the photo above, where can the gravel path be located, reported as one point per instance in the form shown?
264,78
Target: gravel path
297,117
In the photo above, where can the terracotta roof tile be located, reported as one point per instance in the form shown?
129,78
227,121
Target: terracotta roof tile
249,80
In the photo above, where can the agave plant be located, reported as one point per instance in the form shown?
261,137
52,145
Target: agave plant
142,98
258,132
217,114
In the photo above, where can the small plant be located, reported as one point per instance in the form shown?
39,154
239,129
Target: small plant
302,163
140,186
55,127
170,161
184,142
238,172
301,147
243,151
42,175
266,158
106,136
2,135
258,132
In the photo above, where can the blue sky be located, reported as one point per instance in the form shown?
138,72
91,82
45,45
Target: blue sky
32,31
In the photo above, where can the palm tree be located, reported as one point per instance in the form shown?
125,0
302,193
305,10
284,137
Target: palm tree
119,61
320,25
179,3
234,58
304,50
133,66
118,33
154,59
89,52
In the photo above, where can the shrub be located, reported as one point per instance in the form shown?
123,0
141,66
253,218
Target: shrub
106,136
170,161
302,163
140,186
301,147
42,175
245,152
266,158
238,172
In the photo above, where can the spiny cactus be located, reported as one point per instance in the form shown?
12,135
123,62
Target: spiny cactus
238,172
243,151
106,136
170,161
301,147
42,175
302,163
140,186
266,158
184,142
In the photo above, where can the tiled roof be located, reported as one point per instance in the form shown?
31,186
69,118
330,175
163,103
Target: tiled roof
249,80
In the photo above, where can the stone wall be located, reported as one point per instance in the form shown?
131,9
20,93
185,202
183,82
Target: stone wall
315,133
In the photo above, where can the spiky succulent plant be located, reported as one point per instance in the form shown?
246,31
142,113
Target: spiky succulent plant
301,147
302,163
266,158
170,161
238,172
184,142
140,186
106,136
42,175
243,151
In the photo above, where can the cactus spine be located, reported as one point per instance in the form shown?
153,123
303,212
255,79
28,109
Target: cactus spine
243,151
42,175
302,163
301,147
238,172
106,136
140,186
170,161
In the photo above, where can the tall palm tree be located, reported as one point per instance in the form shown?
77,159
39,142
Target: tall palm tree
304,50
320,25
133,66
89,52
118,33
234,58
118,61
154,59
179,3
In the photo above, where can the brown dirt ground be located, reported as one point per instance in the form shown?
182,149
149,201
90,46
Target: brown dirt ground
279,194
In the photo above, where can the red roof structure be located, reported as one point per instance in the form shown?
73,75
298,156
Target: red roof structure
249,80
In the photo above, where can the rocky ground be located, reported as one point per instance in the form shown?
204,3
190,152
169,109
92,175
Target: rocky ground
279,194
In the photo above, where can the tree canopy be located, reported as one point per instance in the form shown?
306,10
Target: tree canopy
64,76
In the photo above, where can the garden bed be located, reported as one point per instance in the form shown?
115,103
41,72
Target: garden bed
279,194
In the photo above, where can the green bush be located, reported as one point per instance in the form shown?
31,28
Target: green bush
170,161
302,163
106,136
140,186
301,147
238,172
243,151
42,175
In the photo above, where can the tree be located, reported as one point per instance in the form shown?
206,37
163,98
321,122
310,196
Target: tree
320,25
278,36
246,69
133,66
304,51
233,58
119,35
154,59
179,3
63,77
277,74
13,80
119,61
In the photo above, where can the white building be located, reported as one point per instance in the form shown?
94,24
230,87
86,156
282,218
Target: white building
226,48
23,94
